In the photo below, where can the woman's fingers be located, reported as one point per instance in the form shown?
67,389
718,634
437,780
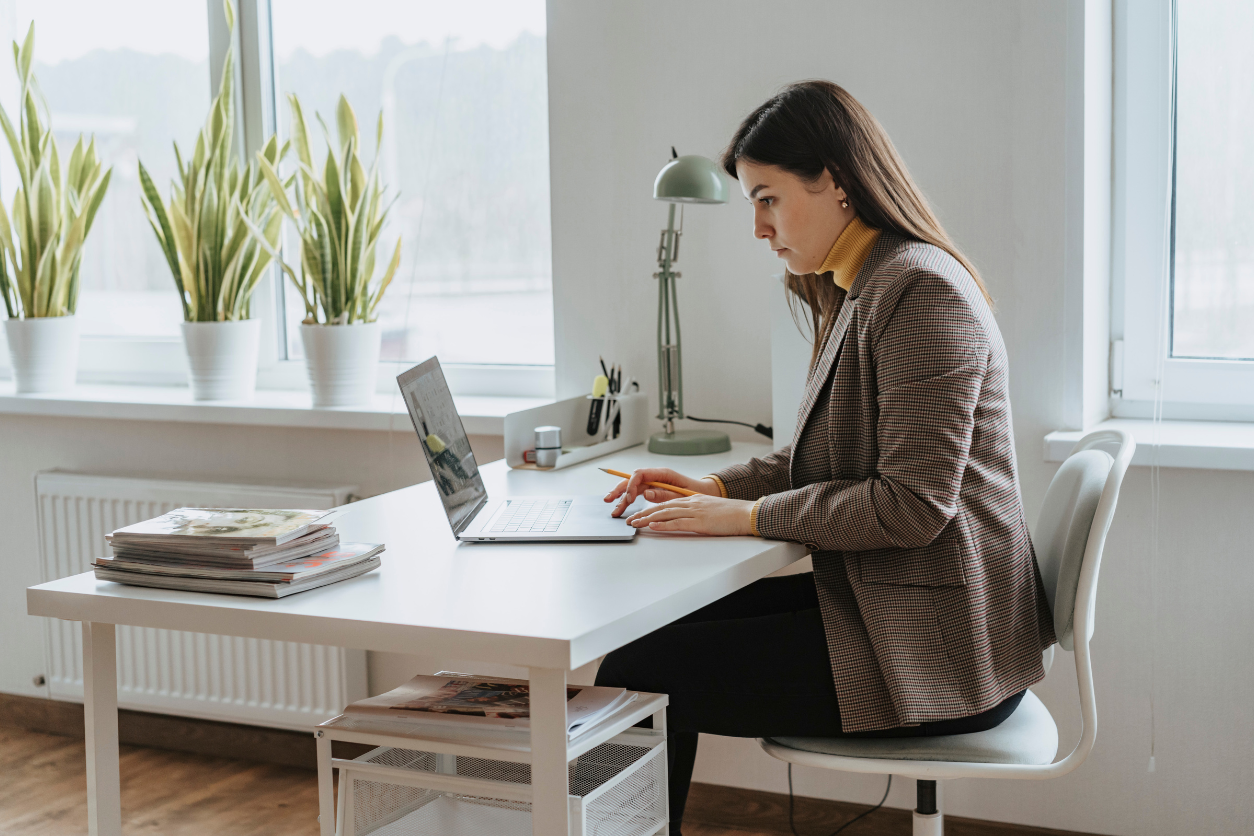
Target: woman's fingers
617,491
667,510
659,495
677,524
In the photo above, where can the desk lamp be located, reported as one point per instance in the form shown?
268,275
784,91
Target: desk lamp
686,179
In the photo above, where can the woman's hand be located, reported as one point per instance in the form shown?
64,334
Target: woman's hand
635,486
698,514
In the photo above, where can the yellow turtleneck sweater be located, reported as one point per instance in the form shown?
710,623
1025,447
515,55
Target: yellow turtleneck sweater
849,252
843,261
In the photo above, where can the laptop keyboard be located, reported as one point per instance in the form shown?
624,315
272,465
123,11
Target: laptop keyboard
531,515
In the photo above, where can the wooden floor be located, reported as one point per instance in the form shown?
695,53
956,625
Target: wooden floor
43,792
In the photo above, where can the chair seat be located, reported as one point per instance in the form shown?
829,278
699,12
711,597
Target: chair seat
1028,736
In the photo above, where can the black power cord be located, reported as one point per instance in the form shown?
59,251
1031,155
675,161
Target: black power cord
761,429
861,815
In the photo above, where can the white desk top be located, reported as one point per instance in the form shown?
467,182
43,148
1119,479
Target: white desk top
531,604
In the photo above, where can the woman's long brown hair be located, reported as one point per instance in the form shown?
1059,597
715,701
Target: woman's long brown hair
815,126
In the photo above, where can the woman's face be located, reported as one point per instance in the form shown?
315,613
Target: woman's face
801,221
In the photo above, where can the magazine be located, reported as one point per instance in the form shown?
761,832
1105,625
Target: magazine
177,553
261,589
234,526
487,701
287,571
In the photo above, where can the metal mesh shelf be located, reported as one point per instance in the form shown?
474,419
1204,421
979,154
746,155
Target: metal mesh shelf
617,789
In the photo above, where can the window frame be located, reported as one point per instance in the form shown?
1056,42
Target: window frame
1144,86
161,360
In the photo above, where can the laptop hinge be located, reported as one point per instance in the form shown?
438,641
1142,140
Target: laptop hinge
469,518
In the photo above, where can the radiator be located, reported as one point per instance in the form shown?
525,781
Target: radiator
267,683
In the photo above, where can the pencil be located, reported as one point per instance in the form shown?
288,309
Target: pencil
662,485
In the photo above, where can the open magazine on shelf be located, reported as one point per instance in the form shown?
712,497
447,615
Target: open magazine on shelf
449,697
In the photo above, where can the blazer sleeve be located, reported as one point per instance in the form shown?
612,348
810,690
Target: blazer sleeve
758,477
930,358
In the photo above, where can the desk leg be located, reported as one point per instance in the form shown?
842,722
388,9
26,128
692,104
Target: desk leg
100,714
326,791
550,813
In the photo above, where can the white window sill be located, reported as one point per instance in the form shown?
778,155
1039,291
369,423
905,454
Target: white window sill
481,414
1207,445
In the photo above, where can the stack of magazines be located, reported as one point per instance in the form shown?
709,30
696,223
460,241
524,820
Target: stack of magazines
464,698
238,551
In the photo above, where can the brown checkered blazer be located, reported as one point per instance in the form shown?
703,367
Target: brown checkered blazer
901,480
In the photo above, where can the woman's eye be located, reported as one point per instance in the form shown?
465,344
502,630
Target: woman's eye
766,201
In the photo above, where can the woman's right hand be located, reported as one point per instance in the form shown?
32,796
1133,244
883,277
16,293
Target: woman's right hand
627,490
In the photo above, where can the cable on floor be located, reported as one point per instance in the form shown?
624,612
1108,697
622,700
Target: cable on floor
792,827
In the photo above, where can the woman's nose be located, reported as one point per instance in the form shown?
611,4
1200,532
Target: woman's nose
761,229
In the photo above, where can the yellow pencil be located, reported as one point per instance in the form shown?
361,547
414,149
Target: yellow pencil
662,485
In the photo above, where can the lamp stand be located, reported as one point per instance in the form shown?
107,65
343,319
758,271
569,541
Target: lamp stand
670,360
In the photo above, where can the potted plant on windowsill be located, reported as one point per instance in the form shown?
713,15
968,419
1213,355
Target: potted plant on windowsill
339,214
41,240
206,234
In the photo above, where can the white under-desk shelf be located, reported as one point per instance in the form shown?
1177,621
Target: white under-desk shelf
482,741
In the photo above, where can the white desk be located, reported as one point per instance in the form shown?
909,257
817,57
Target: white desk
548,607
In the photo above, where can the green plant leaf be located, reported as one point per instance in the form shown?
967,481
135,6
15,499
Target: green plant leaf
229,10
276,187
300,132
15,146
387,280
97,197
346,123
27,54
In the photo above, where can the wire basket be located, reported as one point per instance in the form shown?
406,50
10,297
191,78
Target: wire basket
616,789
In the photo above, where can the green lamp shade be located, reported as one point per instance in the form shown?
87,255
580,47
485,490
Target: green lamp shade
690,179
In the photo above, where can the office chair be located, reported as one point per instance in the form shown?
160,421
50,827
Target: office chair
1070,535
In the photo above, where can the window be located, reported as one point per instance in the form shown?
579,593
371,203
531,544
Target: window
135,74
463,89
463,93
1184,210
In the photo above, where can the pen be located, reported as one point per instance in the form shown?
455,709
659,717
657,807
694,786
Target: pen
662,485
618,411
600,385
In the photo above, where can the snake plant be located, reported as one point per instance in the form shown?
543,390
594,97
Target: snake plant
339,214
206,231
41,238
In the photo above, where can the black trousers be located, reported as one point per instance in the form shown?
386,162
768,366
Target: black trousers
754,664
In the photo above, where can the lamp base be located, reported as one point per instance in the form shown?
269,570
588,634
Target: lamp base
689,443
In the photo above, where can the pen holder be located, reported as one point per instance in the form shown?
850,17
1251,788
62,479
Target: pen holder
571,415
601,417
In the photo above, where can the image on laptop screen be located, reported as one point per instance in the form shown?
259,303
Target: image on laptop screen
444,441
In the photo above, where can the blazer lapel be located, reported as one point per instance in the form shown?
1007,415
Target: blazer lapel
823,368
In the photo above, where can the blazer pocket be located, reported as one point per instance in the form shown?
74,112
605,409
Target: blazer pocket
939,563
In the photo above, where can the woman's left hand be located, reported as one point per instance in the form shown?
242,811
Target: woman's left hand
698,514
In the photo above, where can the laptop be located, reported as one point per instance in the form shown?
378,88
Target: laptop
473,516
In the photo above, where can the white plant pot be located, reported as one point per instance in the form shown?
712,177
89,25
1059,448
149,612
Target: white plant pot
222,359
342,361
44,353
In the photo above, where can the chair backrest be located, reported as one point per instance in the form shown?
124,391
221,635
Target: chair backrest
1070,536
1062,532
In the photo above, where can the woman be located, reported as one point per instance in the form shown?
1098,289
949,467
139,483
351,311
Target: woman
925,613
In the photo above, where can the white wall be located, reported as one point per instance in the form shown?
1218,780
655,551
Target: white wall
975,96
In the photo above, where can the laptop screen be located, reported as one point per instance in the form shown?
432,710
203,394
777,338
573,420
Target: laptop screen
444,442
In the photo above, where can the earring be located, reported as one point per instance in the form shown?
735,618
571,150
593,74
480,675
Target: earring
844,204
